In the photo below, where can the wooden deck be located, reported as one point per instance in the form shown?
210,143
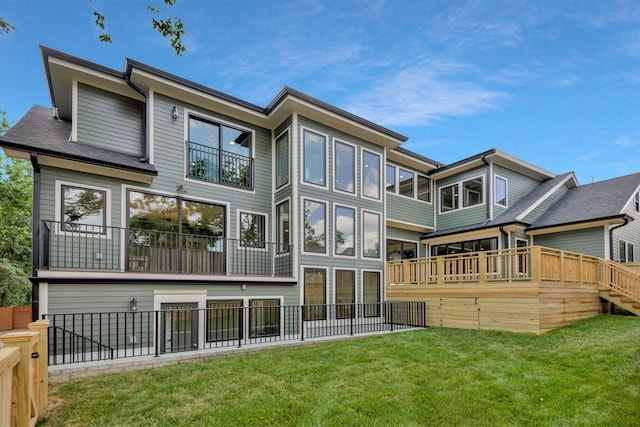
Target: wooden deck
533,289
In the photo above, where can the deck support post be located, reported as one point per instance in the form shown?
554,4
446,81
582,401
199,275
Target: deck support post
42,327
482,267
536,264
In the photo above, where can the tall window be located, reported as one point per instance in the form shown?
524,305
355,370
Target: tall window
219,153
449,198
315,294
405,179
282,225
282,159
345,167
472,191
371,293
424,188
391,179
370,235
501,191
83,209
315,160
345,230
370,174
252,230
626,251
397,249
315,227
345,294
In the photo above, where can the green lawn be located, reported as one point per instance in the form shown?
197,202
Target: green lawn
585,374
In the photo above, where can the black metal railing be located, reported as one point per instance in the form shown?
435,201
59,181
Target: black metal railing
219,166
92,247
115,335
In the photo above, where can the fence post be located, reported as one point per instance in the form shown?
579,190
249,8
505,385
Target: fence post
482,267
536,264
42,326
440,270
302,323
22,388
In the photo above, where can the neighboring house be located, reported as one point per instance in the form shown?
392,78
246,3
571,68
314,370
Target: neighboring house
154,190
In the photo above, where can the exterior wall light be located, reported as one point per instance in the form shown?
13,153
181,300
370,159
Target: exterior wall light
174,112
133,305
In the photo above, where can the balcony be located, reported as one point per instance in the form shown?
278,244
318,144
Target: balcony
91,247
219,166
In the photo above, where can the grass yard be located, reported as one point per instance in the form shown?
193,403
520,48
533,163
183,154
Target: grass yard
585,374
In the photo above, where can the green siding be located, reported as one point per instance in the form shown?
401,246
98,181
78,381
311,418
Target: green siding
518,186
407,236
409,210
462,216
110,121
546,204
588,241
629,233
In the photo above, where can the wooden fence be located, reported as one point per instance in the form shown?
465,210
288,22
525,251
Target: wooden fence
24,376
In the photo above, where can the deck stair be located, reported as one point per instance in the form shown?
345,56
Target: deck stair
622,287
630,304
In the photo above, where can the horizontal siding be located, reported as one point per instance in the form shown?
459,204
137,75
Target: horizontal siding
463,216
546,204
404,209
110,121
629,233
518,186
588,241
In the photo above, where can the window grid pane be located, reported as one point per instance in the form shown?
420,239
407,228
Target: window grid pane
282,160
83,209
314,158
314,227
371,235
345,167
370,175
345,230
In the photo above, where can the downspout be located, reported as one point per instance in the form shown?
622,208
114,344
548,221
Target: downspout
626,221
147,147
35,242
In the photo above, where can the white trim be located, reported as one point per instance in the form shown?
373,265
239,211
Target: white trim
186,297
506,191
326,281
353,193
266,224
275,227
326,158
460,185
355,230
380,175
335,283
543,198
408,226
74,111
417,243
43,301
294,204
395,178
381,292
58,208
327,240
151,125
117,275
362,234
275,159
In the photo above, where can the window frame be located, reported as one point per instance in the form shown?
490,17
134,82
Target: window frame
402,243
466,191
395,178
337,141
252,244
365,212
362,177
303,296
459,196
413,183
430,188
276,184
282,247
59,209
352,308
327,241
335,229
303,180
378,311
455,198
495,191
624,246
636,201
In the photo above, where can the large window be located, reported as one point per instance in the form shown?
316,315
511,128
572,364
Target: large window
83,209
465,247
424,188
219,153
371,295
397,250
252,230
449,198
345,167
501,191
472,191
315,294
345,293
391,179
345,230
370,235
405,179
315,226
315,158
282,159
370,174
282,225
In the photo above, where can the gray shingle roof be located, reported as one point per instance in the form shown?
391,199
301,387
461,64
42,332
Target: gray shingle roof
39,131
591,202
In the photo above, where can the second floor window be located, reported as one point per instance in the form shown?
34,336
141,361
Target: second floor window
315,158
345,167
252,230
315,227
219,153
370,175
83,209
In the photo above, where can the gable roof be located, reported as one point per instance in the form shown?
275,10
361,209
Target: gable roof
601,200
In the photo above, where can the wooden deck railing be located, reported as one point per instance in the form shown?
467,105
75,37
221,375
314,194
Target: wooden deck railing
24,375
528,264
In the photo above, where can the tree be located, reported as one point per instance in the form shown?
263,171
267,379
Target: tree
15,226
170,27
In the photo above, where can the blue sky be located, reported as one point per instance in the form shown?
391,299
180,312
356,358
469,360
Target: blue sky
556,83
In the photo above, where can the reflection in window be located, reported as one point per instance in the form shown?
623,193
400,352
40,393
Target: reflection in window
424,188
314,158
282,224
282,160
449,198
391,179
252,230
370,235
472,191
314,227
371,293
345,294
315,294
370,174
405,179
223,320
345,230
462,247
264,317
83,210
397,250
345,167
501,191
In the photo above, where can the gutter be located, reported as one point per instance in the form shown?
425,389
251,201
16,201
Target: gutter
626,221
35,243
147,147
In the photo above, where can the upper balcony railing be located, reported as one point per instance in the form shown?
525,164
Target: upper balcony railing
220,167
527,264
93,247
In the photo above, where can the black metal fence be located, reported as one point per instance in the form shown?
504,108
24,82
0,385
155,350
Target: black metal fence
93,247
86,337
